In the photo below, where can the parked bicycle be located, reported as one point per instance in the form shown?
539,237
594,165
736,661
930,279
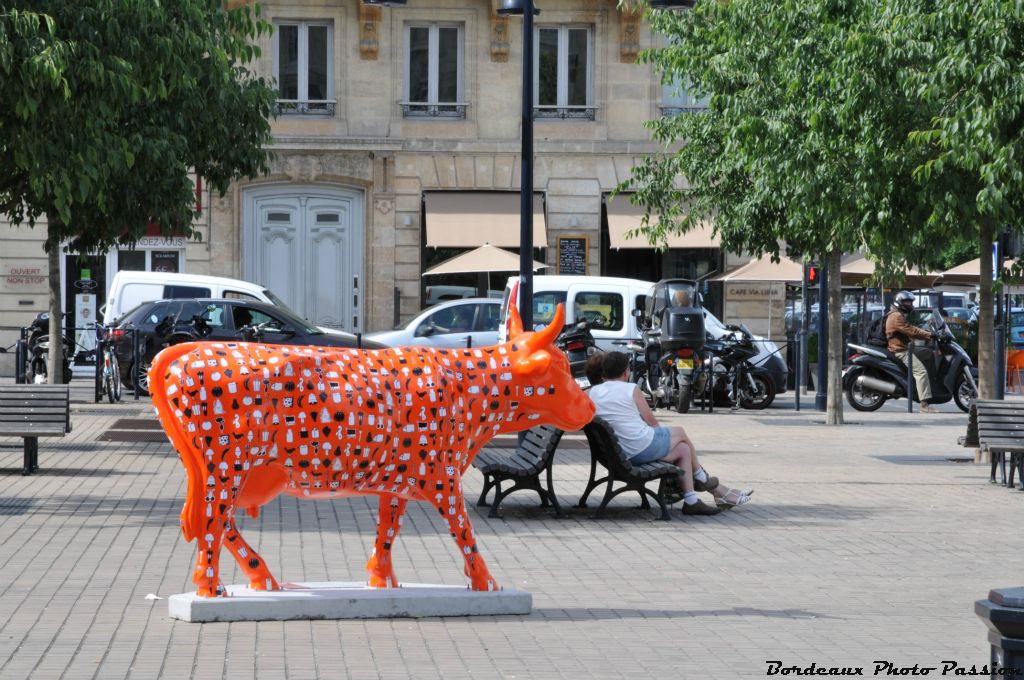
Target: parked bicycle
109,376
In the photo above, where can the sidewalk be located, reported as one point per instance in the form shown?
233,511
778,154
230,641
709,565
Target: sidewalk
863,542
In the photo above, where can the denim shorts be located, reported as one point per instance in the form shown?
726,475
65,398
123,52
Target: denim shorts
656,450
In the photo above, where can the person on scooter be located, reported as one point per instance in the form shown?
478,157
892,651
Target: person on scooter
900,333
644,440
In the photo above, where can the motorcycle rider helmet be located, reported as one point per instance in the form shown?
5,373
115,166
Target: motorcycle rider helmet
904,301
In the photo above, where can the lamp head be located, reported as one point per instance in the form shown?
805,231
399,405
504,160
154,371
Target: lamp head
515,8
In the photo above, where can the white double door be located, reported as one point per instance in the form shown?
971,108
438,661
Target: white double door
305,244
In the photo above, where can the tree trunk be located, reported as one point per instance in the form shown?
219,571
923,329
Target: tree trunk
986,359
55,363
836,346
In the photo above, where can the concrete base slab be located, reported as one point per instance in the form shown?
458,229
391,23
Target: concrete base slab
346,601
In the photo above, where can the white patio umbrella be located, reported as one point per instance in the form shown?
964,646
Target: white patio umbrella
482,260
486,258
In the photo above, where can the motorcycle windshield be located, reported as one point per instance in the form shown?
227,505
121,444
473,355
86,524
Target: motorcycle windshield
681,294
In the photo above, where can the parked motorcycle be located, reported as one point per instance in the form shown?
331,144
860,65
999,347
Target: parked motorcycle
876,375
727,372
673,329
38,346
578,343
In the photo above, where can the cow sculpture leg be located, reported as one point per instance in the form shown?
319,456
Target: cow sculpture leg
380,566
207,573
453,508
250,562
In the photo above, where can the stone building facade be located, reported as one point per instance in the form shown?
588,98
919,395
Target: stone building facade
384,112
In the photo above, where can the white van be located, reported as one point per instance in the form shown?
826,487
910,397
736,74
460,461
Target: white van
130,289
607,303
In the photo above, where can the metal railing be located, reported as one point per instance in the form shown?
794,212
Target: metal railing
455,110
564,112
305,107
669,110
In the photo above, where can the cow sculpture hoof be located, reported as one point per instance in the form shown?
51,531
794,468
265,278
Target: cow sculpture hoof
264,584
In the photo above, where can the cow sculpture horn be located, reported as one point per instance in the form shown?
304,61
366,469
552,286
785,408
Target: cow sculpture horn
547,335
515,322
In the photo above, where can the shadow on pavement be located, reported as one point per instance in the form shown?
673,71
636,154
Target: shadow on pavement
48,471
604,613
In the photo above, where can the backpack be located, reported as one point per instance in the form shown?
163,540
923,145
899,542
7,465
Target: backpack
876,332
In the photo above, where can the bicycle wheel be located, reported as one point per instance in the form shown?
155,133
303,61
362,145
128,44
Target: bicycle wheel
112,380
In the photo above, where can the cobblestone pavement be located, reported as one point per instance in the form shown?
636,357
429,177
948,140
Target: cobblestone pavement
863,542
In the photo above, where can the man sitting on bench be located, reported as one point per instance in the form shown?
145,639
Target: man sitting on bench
643,440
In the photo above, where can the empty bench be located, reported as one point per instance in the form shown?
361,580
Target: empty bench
1001,432
31,412
523,468
605,449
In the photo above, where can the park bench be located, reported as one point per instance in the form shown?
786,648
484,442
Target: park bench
1000,432
523,468
33,411
605,449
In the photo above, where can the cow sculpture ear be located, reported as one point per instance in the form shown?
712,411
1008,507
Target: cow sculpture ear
538,362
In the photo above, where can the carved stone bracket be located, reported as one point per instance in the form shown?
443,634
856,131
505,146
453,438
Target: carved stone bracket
369,24
499,34
629,34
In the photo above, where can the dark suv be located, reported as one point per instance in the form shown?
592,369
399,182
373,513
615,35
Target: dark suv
167,322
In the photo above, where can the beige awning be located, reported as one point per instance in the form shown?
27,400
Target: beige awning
465,219
624,217
763,269
486,258
966,274
857,269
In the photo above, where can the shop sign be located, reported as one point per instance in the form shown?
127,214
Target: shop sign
161,242
25,276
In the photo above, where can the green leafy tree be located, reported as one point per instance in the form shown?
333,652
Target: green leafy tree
107,107
974,142
804,145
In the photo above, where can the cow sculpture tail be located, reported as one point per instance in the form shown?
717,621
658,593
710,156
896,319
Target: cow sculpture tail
163,394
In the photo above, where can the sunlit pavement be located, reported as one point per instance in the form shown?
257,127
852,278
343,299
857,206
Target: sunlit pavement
864,542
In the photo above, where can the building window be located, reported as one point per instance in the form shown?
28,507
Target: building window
677,97
303,68
433,71
563,73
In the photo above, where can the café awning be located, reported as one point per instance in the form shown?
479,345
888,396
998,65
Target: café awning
466,219
763,269
858,269
624,217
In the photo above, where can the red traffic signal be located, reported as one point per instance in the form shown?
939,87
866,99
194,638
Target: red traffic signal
812,274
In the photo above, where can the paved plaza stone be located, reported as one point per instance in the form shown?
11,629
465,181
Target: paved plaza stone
864,542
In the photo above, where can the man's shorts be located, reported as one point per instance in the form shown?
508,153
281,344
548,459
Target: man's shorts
656,450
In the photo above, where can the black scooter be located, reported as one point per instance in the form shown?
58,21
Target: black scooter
876,375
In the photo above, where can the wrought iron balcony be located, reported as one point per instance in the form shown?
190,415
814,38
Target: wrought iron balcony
440,110
305,107
669,110
564,112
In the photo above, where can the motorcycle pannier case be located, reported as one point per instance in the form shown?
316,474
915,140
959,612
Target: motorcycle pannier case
683,328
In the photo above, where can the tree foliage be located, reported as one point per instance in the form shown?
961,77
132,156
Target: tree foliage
109,104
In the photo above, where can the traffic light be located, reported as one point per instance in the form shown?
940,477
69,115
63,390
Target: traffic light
812,274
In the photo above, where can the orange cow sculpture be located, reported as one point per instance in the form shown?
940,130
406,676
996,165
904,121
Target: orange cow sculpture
253,421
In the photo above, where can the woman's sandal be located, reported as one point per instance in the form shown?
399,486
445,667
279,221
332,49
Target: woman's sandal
732,498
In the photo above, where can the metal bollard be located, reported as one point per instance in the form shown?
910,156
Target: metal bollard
136,357
910,377
98,373
469,341
359,340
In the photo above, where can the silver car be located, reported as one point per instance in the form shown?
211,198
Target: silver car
456,323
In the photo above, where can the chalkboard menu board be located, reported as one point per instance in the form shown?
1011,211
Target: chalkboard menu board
572,255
